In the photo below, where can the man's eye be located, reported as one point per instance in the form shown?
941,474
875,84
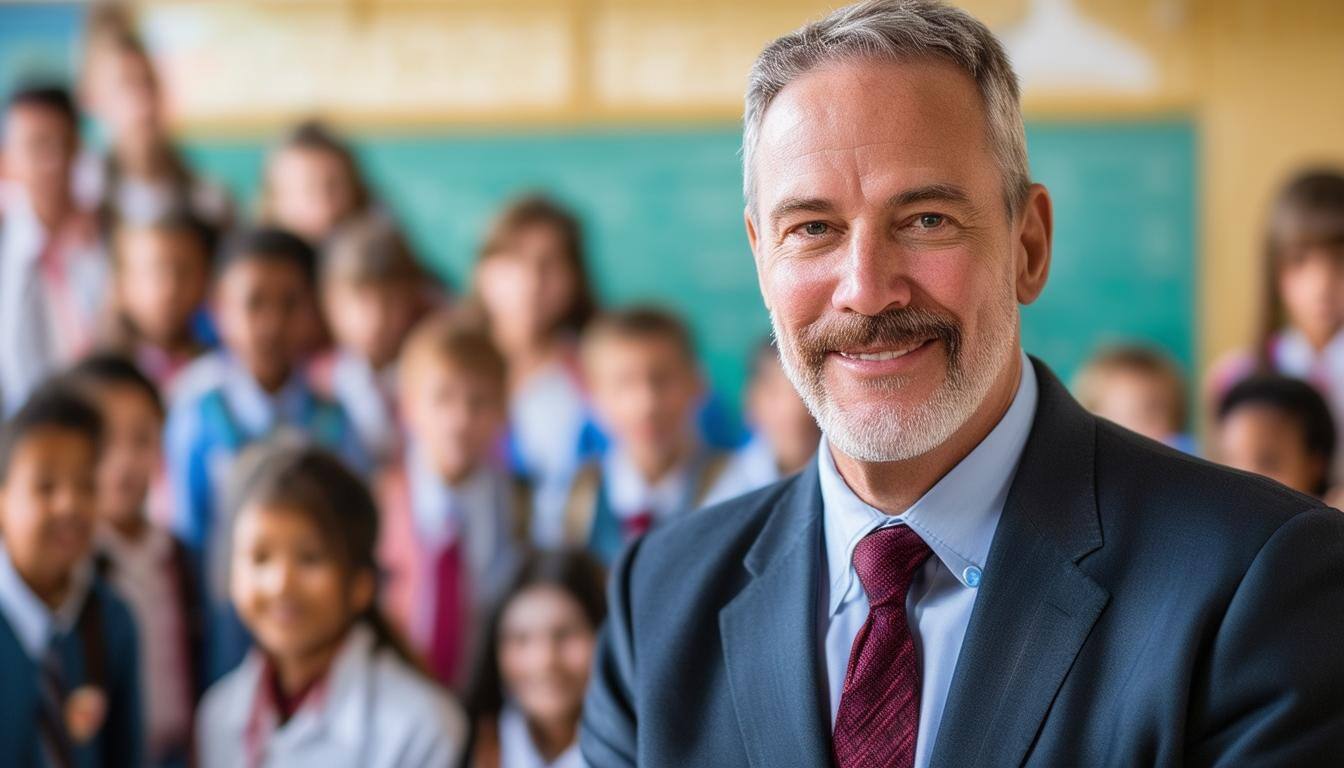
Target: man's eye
815,228
930,221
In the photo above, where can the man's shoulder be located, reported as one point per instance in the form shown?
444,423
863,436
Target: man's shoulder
1202,508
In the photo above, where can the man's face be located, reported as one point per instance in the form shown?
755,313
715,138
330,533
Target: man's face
886,253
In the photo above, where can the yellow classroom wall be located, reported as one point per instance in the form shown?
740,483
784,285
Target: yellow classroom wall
1263,81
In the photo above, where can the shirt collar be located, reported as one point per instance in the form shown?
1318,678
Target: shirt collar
257,410
957,517
629,493
437,507
32,621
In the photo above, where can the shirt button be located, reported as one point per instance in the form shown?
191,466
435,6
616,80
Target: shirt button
972,576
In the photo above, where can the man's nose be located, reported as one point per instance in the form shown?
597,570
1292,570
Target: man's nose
875,276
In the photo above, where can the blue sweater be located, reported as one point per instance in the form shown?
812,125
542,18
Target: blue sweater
119,742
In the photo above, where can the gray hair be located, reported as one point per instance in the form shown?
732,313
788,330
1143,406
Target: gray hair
896,30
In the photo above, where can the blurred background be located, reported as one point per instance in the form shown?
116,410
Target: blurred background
1162,127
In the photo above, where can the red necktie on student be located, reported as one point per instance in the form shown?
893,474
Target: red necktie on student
637,524
878,720
450,613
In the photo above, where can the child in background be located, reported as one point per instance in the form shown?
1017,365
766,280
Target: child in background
143,562
1280,428
140,176
329,684
372,293
532,287
68,652
160,276
1139,388
454,518
313,184
528,694
255,387
641,369
53,274
785,435
1302,317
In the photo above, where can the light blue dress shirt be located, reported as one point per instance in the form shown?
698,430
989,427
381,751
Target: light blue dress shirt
957,518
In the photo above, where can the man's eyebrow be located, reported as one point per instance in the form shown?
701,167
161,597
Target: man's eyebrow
792,205
947,193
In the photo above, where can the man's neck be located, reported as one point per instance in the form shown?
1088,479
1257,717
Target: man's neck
654,465
894,486
51,213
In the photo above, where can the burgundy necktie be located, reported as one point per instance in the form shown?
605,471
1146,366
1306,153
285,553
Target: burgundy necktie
878,719
448,630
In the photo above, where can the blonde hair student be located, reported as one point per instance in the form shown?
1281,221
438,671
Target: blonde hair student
328,684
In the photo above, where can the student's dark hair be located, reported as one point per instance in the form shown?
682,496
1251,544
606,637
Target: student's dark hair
268,244
641,322
311,480
49,97
1309,208
55,404
107,369
534,210
177,219
572,571
1296,399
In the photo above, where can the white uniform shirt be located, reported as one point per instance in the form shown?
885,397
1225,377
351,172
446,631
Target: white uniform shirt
375,712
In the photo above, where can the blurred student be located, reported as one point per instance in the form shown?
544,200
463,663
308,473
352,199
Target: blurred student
1302,318
1280,428
139,175
373,291
252,388
1139,388
313,184
68,652
160,278
329,684
532,286
53,275
527,697
143,562
784,435
641,369
454,517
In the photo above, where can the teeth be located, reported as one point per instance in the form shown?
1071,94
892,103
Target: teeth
878,357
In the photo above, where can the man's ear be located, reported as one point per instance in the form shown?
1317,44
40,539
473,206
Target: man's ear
754,240
1035,235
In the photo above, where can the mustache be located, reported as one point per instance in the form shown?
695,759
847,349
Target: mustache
893,328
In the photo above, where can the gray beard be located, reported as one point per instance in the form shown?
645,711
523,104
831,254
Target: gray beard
895,431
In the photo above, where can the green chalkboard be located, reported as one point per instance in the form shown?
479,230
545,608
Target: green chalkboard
662,212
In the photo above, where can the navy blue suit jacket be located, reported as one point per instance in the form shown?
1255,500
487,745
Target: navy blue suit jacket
1139,607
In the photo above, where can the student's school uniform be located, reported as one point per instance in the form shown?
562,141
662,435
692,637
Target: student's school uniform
85,648
447,554
207,428
610,503
1291,355
97,184
750,467
368,397
153,575
371,710
506,742
548,420
53,287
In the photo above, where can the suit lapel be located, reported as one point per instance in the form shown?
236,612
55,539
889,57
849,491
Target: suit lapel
1036,607
769,637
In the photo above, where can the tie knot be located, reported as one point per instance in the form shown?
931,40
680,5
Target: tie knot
886,561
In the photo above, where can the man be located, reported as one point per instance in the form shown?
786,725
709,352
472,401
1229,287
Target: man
974,571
